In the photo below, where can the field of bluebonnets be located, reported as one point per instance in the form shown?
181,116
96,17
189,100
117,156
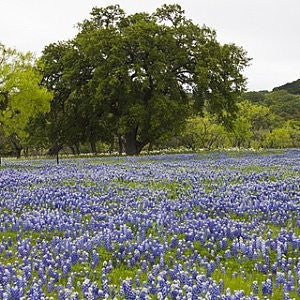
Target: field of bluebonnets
189,226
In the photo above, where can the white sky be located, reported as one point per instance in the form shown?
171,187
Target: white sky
268,29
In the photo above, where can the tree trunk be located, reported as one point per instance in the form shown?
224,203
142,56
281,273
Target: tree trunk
131,143
17,146
54,151
111,146
77,147
18,153
120,145
150,147
93,146
57,149
73,150
132,146
26,152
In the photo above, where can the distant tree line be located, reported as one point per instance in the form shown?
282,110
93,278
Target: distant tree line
131,82
264,120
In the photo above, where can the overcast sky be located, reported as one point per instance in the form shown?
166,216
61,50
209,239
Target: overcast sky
268,29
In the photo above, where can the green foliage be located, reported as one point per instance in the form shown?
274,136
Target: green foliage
204,133
241,132
284,104
280,102
21,96
286,136
293,128
260,116
255,97
255,126
275,117
253,122
278,138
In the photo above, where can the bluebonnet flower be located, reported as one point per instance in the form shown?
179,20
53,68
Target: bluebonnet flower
85,286
280,278
298,288
255,287
95,259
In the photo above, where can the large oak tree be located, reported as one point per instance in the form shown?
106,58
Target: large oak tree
140,76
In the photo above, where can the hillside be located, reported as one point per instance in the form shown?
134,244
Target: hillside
284,100
291,87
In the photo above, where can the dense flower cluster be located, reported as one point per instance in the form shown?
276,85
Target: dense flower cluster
185,226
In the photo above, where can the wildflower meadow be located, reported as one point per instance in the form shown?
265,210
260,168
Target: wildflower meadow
182,226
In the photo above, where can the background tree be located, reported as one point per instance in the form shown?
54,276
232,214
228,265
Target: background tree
21,96
293,128
260,121
241,132
278,138
204,133
286,136
53,124
65,75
